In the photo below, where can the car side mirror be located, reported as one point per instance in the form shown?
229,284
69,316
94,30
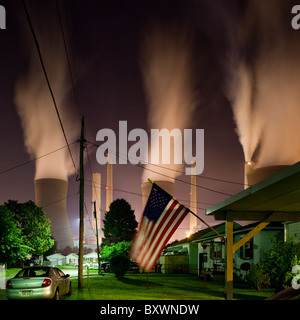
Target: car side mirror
66,276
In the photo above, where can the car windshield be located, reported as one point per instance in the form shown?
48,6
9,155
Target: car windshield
33,272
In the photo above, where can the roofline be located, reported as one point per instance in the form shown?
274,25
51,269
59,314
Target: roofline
279,176
188,240
241,229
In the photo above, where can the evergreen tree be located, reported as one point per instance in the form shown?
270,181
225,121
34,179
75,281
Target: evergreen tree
119,223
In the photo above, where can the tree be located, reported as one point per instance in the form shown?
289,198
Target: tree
115,249
12,243
34,226
119,223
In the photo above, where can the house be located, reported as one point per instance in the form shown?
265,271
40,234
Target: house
271,199
72,258
204,252
57,259
182,256
212,256
90,257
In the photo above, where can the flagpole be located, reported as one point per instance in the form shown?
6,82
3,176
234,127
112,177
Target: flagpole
207,224
200,219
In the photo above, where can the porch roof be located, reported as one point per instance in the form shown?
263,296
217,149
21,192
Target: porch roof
276,198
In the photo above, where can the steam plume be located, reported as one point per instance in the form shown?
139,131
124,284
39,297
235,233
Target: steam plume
41,128
167,75
266,89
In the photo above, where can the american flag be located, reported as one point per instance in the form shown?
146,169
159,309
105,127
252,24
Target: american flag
162,216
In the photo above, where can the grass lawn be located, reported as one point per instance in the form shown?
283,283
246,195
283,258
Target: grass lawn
160,287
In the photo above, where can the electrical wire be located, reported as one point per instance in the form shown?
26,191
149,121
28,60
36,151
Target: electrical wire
34,159
165,175
173,170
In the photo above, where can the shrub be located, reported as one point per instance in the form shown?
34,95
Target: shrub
279,261
115,249
119,265
257,277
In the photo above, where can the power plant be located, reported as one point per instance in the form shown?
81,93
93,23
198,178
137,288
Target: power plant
90,239
193,202
109,184
96,198
51,195
255,175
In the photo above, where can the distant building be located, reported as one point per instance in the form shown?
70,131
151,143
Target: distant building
57,259
90,257
72,258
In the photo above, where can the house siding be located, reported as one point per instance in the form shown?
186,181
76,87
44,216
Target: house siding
293,231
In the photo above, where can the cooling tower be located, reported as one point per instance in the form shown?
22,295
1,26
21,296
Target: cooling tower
168,186
256,175
51,194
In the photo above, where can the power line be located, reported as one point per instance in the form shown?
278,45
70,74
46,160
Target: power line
140,195
165,175
48,82
59,200
32,160
171,169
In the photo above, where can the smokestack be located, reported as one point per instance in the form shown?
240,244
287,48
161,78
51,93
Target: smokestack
193,202
247,171
109,184
51,195
96,196
168,186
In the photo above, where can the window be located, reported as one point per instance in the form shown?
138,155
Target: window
246,251
216,250
33,272
58,272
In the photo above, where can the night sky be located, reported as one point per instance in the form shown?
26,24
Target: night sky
104,44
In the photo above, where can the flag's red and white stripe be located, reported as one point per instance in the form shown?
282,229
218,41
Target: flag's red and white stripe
153,236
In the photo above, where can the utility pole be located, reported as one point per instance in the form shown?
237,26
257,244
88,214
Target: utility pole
95,216
81,207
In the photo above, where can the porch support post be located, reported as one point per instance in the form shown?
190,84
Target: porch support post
249,235
229,260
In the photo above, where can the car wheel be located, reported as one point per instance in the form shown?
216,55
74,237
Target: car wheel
56,295
70,289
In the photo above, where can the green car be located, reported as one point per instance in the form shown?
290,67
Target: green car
39,282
